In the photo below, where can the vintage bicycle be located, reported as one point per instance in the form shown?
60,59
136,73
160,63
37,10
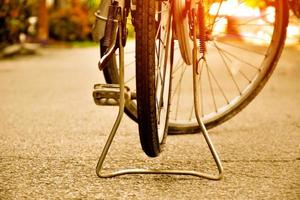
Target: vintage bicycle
222,51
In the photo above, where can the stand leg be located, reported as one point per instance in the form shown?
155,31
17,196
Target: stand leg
121,110
155,171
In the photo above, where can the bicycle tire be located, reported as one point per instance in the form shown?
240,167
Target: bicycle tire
152,76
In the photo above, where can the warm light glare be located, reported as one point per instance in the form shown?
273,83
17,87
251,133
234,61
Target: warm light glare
220,27
293,34
260,34
233,8
270,14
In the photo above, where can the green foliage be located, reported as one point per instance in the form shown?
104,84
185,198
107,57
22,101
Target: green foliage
131,32
69,24
13,20
66,22
83,44
93,3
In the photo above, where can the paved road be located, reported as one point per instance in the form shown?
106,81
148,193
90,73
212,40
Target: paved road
51,135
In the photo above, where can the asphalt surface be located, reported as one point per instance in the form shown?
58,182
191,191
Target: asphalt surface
51,135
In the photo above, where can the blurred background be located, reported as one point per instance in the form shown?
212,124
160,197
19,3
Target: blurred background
25,24
44,22
51,132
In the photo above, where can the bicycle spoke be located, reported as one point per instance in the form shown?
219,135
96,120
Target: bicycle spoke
158,30
179,82
242,48
178,100
221,53
241,71
218,84
158,110
177,91
236,57
160,62
215,17
258,25
245,76
178,66
161,56
223,17
211,87
238,36
255,18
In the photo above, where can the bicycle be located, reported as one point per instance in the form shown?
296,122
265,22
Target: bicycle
175,38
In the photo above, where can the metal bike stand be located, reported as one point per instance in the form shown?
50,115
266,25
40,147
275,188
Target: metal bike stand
122,100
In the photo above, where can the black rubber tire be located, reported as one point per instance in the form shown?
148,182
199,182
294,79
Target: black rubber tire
146,29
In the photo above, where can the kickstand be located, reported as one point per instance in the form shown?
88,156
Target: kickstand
122,101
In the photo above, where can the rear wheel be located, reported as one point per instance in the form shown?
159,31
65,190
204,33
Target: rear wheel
243,47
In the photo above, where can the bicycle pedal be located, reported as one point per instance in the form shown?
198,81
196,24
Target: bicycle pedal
109,94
